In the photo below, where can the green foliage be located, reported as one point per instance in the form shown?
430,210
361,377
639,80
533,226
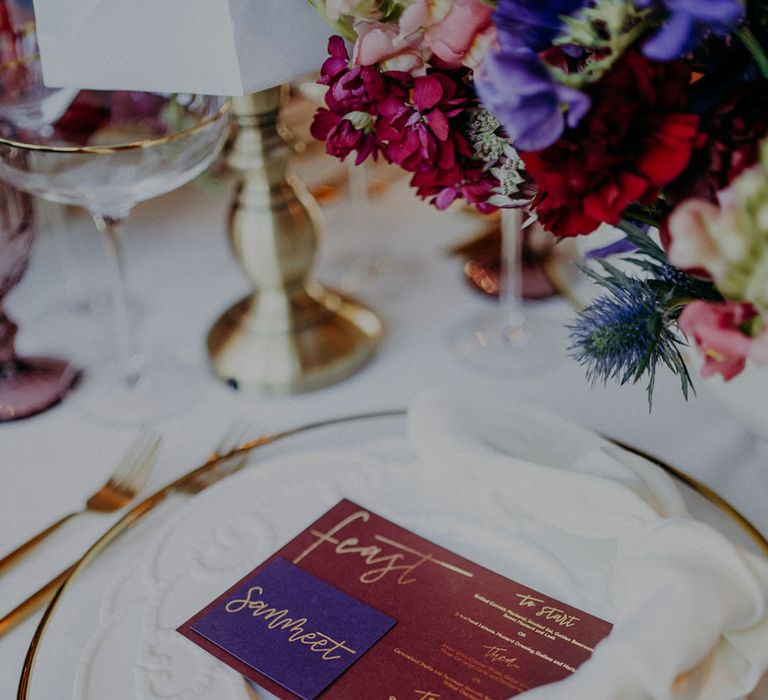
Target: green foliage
491,145
628,333
343,27
606,30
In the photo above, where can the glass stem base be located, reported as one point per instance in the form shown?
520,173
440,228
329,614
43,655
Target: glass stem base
488,344
164,386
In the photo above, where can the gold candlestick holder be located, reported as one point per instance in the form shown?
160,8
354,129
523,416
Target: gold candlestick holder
291,334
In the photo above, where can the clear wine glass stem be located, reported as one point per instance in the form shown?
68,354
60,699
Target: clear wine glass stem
357,177
511,308
376,245
130,360
369,261
52,218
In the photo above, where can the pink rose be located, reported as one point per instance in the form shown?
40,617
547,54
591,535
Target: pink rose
482,43
691,246
454,37
716,331
422,14
458,32
382,44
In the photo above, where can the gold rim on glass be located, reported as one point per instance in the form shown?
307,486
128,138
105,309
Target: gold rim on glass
139,511
117,148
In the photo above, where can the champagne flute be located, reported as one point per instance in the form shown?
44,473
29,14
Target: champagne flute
134,155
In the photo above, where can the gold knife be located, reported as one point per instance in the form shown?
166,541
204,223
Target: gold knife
192,482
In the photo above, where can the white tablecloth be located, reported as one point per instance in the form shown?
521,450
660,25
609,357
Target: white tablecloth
180,266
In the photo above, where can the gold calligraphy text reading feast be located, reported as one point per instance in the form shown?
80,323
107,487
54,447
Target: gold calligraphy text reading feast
385,557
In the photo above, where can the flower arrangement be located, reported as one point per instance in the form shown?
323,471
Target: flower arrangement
643,114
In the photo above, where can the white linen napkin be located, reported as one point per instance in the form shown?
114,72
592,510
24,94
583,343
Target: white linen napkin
690,609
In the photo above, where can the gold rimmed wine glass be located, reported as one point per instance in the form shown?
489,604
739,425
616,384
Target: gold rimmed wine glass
141,145
27,104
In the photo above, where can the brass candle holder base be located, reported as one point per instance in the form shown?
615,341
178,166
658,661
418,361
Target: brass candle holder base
290,335
329,337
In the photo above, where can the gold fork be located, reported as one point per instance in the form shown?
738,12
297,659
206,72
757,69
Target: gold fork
241,430
238,433
126,481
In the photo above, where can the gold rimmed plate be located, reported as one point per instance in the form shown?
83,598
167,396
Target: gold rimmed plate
71,619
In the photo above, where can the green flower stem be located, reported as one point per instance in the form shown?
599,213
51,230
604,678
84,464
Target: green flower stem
343,28
642,217
755,48
678,303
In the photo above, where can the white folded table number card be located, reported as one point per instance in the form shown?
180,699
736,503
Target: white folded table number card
217,47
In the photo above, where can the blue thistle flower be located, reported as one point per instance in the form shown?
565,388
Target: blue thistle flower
613,335
627,334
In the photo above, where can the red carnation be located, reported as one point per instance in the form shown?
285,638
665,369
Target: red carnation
729,143
634,140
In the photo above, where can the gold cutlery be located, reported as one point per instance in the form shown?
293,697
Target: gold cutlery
120,489
221,465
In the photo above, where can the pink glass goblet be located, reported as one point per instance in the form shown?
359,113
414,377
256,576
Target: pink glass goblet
28,385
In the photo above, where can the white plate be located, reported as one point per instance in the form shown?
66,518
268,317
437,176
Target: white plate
135,654
232,528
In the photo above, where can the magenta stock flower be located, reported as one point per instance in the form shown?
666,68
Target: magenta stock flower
342,136
346,125
443,187
423,132
416,125
350,88
418,122
337,61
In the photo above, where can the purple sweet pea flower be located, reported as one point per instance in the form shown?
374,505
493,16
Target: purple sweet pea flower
687,21
514,82
516,86
533,23
624,245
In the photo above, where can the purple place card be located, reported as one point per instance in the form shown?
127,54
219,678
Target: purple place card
292,627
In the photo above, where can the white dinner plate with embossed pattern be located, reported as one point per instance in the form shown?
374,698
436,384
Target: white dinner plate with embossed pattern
229,529
135,653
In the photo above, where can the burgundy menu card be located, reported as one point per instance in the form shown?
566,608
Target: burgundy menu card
358,607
